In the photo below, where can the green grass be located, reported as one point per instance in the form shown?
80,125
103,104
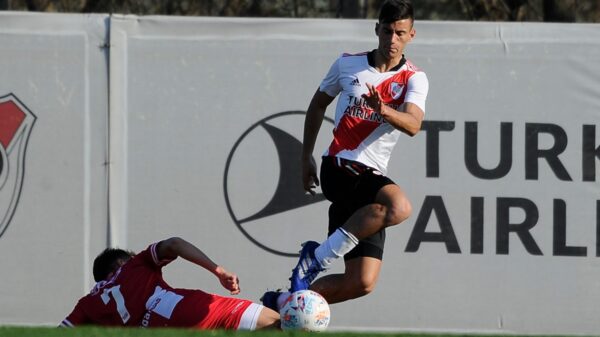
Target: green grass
123,332
135,332
138,332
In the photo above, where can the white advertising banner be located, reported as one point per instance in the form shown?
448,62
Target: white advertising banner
502,177
53,176
203,120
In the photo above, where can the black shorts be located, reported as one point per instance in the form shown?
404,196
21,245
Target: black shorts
350,185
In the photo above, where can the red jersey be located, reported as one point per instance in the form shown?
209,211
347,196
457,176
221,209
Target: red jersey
137,295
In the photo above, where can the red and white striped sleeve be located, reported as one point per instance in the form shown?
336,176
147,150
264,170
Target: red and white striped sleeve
155,258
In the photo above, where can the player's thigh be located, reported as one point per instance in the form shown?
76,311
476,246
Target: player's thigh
390,194
363,272
267,318
393,197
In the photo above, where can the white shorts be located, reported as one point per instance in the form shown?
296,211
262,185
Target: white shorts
250,317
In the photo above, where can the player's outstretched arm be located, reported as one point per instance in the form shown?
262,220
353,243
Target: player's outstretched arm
172,248
312,124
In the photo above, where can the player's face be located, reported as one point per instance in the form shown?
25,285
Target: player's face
393,37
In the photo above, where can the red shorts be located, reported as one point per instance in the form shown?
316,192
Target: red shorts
224,313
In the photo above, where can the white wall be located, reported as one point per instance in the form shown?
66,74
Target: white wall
178,136
54,67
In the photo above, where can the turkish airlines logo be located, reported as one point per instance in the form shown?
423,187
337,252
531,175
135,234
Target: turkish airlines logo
16,122
263,185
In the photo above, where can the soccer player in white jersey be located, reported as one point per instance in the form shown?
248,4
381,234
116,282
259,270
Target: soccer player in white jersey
381,96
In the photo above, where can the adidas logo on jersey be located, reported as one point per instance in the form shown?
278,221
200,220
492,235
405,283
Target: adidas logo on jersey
355,82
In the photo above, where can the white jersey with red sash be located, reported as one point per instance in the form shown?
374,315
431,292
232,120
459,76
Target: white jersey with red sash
360,134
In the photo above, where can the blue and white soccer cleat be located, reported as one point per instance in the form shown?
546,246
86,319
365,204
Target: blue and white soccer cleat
307,268
269,299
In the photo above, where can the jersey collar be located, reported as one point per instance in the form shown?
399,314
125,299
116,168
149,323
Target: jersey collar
371,60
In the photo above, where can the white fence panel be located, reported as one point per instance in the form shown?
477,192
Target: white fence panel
53,70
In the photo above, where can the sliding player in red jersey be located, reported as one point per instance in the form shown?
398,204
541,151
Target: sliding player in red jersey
131,292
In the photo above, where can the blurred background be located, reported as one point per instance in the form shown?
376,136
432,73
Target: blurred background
461,10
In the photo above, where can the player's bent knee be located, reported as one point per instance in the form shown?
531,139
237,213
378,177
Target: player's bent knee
398,212
377,210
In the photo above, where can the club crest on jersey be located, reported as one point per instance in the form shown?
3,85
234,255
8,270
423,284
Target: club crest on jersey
16,122
396,89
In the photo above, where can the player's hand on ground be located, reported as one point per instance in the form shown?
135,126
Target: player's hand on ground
373,98
310,180
229,281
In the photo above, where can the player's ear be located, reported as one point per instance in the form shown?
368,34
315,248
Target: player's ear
377,29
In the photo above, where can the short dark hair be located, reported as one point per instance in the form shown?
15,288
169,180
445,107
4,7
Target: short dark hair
394,10
108,262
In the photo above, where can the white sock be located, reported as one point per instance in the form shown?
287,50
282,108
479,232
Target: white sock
281,299
337,245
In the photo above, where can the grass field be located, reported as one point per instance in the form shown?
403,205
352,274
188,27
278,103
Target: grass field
133,332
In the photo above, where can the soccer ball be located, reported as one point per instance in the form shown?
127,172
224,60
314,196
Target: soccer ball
305,310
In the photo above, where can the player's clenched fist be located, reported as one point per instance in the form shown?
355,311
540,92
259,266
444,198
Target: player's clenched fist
229,281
